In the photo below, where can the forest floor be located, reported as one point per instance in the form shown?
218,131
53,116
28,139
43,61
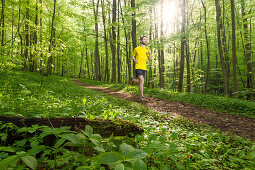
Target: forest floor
239,125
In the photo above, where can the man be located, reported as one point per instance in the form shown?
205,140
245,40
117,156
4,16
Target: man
140,55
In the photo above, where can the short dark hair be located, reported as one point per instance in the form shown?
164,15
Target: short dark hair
141,38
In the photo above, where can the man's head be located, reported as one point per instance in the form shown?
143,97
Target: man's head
143,40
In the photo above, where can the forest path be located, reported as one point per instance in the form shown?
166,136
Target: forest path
226,122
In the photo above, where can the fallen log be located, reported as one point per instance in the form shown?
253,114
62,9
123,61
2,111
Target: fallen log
104,127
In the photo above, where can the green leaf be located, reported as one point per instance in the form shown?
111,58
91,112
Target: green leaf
84,168
7,149
10,160
251,156
7,161
59,143
109,158
139,165
136,154
125,149
71,137
88,130
119,167
30,161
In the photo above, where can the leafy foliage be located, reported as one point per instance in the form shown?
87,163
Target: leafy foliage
165,144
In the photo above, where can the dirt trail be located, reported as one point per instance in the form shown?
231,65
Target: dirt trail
237,124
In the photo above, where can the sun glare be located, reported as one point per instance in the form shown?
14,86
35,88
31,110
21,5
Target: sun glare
170,12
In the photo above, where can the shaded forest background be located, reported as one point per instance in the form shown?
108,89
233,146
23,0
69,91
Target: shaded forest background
201,46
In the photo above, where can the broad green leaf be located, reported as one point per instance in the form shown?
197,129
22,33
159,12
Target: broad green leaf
9,160
59,142
125,149
100,149
30,161
71,137
84,168
139,165
119,167
37,149
7,149
109,158
136,154
88,130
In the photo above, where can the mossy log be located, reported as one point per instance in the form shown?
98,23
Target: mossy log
105,128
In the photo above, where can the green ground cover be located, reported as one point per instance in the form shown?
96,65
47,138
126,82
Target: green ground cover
165,144
214,103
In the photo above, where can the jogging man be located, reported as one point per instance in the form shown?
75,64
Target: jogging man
140,55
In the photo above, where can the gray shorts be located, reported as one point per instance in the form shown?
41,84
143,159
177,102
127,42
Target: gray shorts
139,72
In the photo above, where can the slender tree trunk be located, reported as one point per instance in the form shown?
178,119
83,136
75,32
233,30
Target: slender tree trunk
183,41
26,37
207,48
118,47
2,23
113,41
133,31
188,67
234,57
81,64
107,75
247,52
52,36
162,55
219,29
127,37
97,59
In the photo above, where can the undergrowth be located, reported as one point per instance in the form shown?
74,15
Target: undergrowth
165,144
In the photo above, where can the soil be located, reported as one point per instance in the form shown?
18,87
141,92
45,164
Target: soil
101,126
239,125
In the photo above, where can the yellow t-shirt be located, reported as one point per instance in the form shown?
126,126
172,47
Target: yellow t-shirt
141,54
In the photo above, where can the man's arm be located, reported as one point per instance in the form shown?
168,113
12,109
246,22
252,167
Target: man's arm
149,55
134,59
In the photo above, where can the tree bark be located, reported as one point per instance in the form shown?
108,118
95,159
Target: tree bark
107,75
219,29
97,59
183,41
113,41
52,36
162,54
133,31
249,84
234,57
207,48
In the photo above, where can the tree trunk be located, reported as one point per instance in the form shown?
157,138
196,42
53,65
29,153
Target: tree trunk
107,75
249,84
133,31
188,67
183,41
113,41
118,47
52,36
219,29
234,57
26,37
97,60
2,24
162,55
207,48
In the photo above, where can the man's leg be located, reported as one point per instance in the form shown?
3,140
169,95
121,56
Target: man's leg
141,83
